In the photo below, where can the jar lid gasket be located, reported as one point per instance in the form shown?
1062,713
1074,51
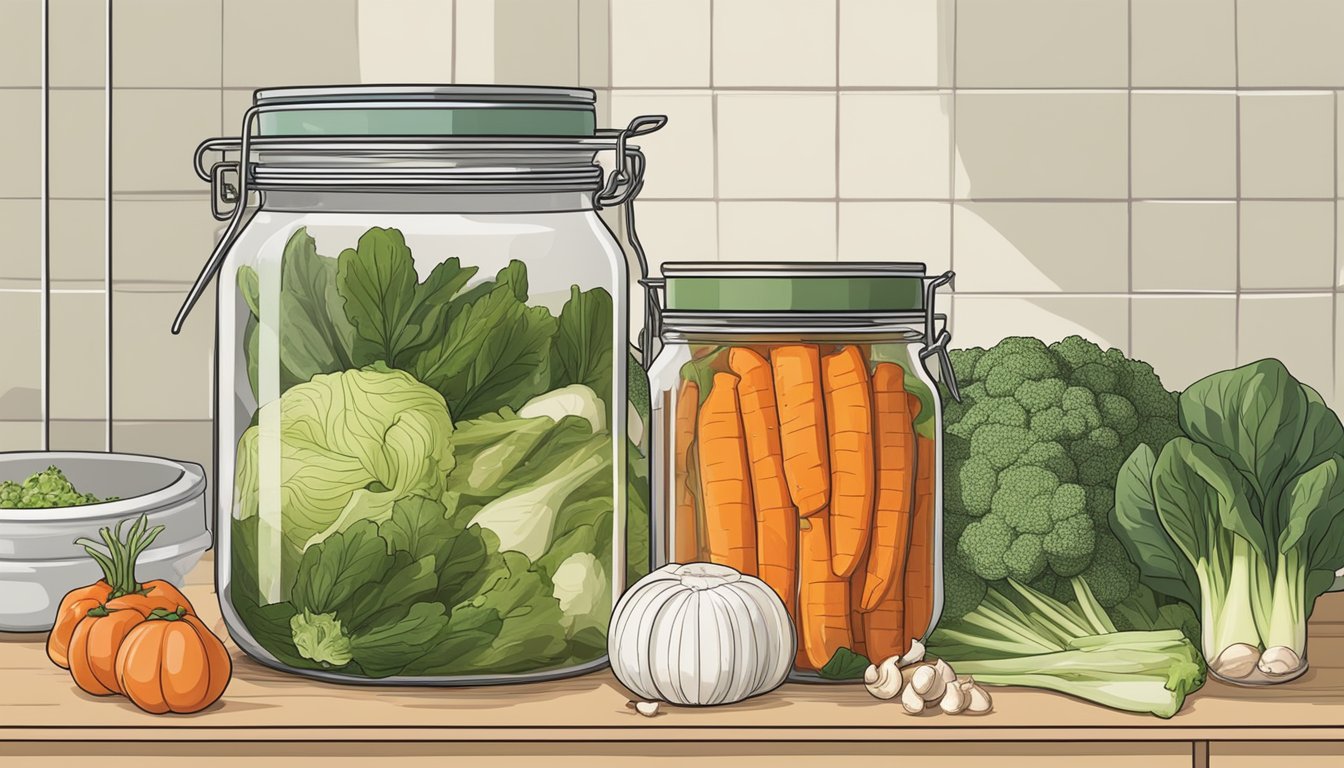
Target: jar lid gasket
425,110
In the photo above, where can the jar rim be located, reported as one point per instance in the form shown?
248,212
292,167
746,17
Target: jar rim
679,326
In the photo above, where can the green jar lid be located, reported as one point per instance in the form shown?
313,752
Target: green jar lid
426,110
794,287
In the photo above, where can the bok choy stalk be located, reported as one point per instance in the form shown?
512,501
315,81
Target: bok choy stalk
1242,517
1072,649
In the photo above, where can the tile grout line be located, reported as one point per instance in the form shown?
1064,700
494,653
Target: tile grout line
836,157
107,231
1236,80
1129,171
45,225
714,149
976,200
986,90
952,165
1334,305
452,56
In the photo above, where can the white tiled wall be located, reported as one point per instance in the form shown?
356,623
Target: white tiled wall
1161,175
1155,174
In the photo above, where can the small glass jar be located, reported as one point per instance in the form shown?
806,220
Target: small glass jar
797,437
427,470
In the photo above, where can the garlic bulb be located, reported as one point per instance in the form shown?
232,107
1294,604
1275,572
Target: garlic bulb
700,634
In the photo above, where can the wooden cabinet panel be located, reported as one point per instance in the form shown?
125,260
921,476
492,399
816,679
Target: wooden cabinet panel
945,754
1287,754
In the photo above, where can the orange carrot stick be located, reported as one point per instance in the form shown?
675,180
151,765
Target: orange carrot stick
730,526
884,629
895,442
823,597
802,425
776,517
856,623
685,547
849,424
919,568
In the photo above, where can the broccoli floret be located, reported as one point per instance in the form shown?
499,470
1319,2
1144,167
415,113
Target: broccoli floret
954,525
1025,558
1111,575
1095,378
1024,495
1117,413
982,548
962,590
955,448
965,359
1050,456
1031,457
1105,439
1069,500
1039,394
1000,444
971,487
1075,352
1070,545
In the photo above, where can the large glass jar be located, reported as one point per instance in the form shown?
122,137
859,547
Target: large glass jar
427,468
797,432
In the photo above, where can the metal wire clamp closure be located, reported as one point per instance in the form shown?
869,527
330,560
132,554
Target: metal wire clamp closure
620,187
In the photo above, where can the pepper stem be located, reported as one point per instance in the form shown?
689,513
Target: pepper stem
117,555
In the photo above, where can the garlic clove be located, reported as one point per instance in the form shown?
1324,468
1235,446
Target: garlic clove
647,708
911,701
978,700
922,679
886,679
955,699
930,682
944,671
1236,661
1279,660
914,655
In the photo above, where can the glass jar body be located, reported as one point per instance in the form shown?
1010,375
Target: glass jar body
811,459
423,438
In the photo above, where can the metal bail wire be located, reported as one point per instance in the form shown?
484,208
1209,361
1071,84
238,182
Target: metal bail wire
620,189
936,343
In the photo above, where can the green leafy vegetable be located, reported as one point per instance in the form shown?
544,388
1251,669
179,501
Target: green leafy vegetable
1074,649
523,518
329,464
377,281
1242,517
583,342
45,490
844,665
496,353
444,487
1030,459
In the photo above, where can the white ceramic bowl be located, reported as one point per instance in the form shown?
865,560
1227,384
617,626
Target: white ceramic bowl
39,561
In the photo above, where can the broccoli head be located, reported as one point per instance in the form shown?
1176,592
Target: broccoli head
1030,463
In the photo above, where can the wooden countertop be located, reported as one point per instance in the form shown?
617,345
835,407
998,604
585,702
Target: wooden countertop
39,703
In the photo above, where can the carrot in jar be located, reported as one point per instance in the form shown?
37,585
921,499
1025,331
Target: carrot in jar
919,569
730,526
849,426
776,517
685,547
895,443
802,425
823,597
884,629
856,623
